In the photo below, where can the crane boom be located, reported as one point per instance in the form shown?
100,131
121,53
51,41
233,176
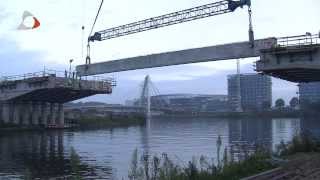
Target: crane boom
199,12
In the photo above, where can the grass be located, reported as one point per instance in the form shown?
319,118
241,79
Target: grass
163,168
303,143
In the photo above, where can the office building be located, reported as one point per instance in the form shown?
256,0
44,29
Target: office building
309,92
252,92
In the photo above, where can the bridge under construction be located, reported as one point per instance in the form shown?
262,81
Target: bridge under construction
295,58
36,99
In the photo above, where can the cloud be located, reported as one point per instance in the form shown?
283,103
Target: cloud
15,61
60,38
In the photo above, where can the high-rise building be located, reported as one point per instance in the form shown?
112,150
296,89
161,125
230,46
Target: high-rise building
309,92
255,92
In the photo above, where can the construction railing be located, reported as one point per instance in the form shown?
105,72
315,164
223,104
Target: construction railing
65,79
302,40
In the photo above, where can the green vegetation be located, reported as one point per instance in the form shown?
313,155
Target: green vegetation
278,113
163,168
75,164
9,125
17,128
115,121
280,103
294,102
304,143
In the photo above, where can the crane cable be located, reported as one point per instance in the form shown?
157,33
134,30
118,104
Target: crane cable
88,60
251,32
82,29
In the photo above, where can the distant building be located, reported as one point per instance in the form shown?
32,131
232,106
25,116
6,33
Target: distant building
309,92
130,102
255,92
219,105
191,102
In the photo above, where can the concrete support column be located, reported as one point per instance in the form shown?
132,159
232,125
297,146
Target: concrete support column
16,113
26,112
60,144
53,112
44,113
60,116
43,146
1,107
6,112
36,113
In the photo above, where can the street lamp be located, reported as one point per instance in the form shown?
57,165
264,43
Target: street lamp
70,62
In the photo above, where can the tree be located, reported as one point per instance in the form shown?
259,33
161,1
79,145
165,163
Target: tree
294,102
280,103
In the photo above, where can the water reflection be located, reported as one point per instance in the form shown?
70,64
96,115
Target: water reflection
283,129
42,156
248,134
106,154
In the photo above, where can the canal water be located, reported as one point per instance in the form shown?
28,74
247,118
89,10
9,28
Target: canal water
107,153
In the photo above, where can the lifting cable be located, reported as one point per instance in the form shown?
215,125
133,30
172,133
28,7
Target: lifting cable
88,61
251,33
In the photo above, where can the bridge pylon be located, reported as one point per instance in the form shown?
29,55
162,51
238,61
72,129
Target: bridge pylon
145,97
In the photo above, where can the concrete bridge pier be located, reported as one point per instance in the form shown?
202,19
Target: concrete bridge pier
52,116
16,113
36,113
60,118
5,113
32,113
1,107
26,113
44,114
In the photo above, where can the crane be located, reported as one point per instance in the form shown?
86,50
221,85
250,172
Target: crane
208,10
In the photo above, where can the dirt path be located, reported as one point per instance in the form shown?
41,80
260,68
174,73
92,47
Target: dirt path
299,167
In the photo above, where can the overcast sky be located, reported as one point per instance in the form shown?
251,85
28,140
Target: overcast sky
59,39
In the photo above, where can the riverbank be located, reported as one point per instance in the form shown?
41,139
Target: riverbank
95,122
84,122
302,166
164,168
299,159
18,128
264,114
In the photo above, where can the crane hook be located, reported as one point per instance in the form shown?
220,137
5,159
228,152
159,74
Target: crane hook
88,59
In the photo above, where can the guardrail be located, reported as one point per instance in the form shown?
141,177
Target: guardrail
301,40
69,76
44,73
